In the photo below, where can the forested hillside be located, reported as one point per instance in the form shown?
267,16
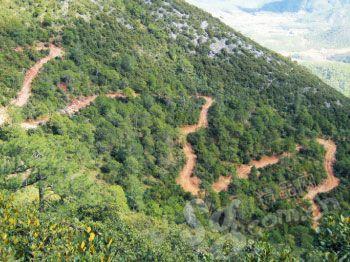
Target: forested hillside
90,157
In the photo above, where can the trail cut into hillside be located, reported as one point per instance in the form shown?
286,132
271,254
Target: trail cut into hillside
3,115
75,106
32,124
222,184
78,104
24,94
38,47
22,175
185,179
329,184
243,171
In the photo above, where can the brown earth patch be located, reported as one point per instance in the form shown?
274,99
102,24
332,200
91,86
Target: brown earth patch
327,185
243,171
222,184
185,179
63,86
75,106
23,96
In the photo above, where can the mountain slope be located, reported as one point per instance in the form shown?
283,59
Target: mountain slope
311,32
101,183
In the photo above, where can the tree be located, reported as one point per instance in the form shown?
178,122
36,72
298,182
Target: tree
334,236
134,192
127,63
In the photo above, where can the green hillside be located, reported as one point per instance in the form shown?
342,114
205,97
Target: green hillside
101,184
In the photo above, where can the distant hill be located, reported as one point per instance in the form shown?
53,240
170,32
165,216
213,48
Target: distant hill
283,6
279,6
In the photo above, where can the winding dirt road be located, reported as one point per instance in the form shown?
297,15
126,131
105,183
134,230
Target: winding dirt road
75,106
329,184
24,94
243,171
185,179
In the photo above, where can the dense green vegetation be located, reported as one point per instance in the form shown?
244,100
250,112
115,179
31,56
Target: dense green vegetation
101,183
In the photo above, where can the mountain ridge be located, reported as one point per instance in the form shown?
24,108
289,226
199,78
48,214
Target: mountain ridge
299,5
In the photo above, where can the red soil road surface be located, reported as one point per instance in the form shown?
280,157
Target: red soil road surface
78,104
3,115
329,184
203,117
185,179
39,46
243,171
24,175
24,94
222,184
32,124
63,86
72,108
